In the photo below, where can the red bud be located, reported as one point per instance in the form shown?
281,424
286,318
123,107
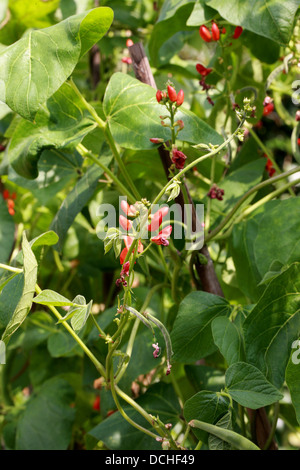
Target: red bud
159,96
180,98
215,32
205,33
172,93
237,32
129,43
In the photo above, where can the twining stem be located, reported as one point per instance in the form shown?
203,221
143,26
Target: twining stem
90,355
274,426
198,160
115,389
268,153
122,188
208,207
251,191
11,268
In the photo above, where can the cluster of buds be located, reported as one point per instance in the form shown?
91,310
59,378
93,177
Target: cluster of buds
248,110
268,106
216,193
214,33
10,201
171,96
126,59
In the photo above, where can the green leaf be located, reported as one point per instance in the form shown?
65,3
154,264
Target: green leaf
133,114
10,297
47,422
273,325
233,438
293,378
76,200
228,339
269,18
249,387
201,14
62,344
81,315
25,14
214,442
35,67
61,123
30,278
7,231
117,434
56,168
50,297
172,19
191,335
205,406
205,378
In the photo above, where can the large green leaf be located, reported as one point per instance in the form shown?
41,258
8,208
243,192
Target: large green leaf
269,18
205,406
62,122
117,434
56,168
76,200
7,230
172,19
214,442
228,339
24,305
36,66
191,335
255,243
47,422
133,114
9,298
273,325
201,14
249,387
292,377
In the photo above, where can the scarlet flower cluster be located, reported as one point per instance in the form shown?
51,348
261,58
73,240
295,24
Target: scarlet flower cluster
214,33
10,201
155,222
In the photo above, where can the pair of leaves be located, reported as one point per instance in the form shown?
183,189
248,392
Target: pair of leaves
78,312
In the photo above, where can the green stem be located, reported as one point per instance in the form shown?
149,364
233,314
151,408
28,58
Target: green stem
212,180
251,191
90,355
123,190
10,268
274,426
268,153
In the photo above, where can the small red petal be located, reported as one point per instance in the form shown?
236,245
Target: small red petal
215,32
172,93
237,32
205,33
129,43
125,223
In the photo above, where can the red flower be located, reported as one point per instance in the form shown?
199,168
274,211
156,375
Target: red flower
237,32
215,32
96,404
5,194
159,96
205,33
178,158
128,209
223,31
126,60
204,71
128,242
269,108
161,238
156,219
180,98
172,93
125,223
216,193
